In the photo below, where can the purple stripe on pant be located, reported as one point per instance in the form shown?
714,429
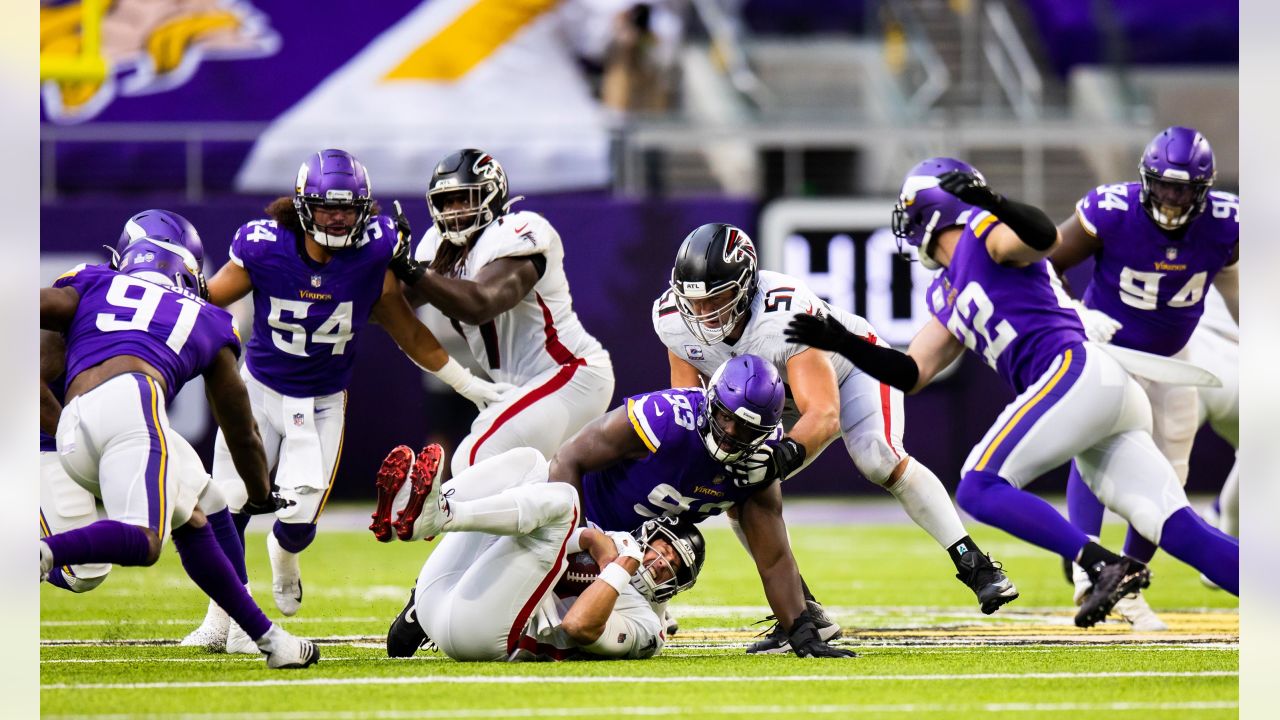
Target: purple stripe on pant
1036,408
156,455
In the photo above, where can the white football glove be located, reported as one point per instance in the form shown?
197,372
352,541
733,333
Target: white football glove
481,392
1099,327
627,546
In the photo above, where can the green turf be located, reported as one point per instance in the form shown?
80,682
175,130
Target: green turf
886,584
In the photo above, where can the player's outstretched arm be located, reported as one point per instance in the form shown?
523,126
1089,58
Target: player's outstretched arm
766,533
682,373
58,307
1077,245
229,401
605,441
497,288
1025,235
931,350
586,620
812,380
229,284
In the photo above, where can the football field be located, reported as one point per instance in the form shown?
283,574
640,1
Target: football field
924,649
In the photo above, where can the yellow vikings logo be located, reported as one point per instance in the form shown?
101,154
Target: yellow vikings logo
92,51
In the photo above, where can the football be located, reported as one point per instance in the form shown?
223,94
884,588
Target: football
578,575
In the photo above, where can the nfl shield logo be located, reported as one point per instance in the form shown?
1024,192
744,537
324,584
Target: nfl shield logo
315,281
1171,253
298,419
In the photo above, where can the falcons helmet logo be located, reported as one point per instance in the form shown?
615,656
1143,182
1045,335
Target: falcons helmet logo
739,247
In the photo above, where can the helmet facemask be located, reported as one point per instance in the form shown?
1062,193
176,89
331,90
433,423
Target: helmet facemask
333,237
725,446
678,575
1172,201
461,224
726,314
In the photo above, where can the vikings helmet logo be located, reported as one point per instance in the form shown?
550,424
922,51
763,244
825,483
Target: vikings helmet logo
739,248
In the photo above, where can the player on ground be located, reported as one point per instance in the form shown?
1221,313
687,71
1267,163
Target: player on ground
317,271
721,305
486,593
1156,244
499,276
133,338
997,295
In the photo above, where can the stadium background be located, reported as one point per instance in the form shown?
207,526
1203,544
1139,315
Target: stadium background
627,124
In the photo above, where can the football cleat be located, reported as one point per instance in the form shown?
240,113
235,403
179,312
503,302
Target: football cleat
46,561
1111,582
286,576
211,636
292,653
1083,585
1135,610
987,580
406,636
391,476
776,641
425,514
239,642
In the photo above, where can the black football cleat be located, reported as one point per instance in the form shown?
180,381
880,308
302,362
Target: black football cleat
987,580
406,636
775,640
1111,582
390,478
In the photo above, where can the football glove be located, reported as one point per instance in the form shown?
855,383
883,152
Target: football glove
1099,327
970,189
627,546
481,392
273,503
768,463
805,641
823,333
402,264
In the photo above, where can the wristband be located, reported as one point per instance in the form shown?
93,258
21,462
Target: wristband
615,576
453,374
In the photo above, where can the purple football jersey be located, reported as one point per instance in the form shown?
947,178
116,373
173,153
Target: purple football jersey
678,477
1016,319
176,333
306,315
1150,280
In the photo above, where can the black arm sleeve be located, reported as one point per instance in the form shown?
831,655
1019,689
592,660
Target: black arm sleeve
889,366
1028,222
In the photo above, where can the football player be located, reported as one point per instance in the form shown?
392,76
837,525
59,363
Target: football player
720,305
133,338
486,593
1215,346
997,295
1157,244
499,277
662,456
317,271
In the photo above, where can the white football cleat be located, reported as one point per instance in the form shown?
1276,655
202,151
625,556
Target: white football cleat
286,576
288,652
239,642
1083,584
1135,610
211,636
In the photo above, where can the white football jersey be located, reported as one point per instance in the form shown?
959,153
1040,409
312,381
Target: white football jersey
541,331
777,298
634,630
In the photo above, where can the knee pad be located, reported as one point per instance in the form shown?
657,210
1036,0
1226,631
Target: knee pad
873,456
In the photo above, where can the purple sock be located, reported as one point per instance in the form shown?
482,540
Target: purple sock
1138,547
57,579
1083,507
224,529
105,541
991,499
294,537
205,563
1197,543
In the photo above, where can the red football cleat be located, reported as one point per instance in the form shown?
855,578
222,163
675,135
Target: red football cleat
426,470
391,477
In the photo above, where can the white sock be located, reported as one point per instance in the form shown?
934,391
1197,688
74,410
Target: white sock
515,511
1229,503
927,503
267,643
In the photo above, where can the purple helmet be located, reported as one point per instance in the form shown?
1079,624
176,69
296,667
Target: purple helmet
333,179
1177,172
748,391
159,225
164,263
924,209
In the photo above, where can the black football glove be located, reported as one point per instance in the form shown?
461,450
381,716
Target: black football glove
971,189
805,641
402,264
768,463
824,333
273,503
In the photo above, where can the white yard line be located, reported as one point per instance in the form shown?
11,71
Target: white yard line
640,679
694,710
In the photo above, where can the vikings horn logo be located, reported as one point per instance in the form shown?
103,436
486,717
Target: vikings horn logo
739,248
